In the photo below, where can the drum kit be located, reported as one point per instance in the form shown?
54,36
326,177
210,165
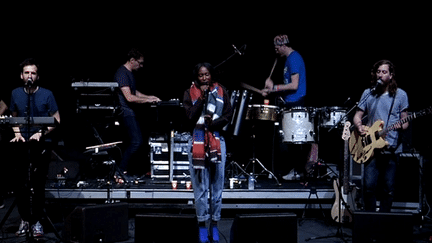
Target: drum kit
295,125
299,125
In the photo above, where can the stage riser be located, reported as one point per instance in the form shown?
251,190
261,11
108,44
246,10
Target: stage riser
232,199
183,194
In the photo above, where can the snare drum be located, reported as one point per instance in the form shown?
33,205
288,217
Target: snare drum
262,112
298,125
330,116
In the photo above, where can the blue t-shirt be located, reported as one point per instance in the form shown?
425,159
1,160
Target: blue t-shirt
377,107
295,64
125,78
42,104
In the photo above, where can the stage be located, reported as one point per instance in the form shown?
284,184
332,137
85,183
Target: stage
150,196
267,194
147,194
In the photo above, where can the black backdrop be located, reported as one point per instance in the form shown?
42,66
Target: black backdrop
338,43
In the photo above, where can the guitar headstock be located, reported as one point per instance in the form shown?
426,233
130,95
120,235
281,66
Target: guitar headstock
346,131
425,112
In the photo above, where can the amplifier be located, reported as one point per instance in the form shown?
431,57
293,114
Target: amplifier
169,158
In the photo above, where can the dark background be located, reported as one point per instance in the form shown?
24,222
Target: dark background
339,45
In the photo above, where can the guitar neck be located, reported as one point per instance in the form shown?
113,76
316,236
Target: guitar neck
398,123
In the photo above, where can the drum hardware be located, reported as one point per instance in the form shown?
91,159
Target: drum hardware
241,111
235,171
234,98
322,163
255,160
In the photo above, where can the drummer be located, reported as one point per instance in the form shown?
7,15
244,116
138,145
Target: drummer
293,92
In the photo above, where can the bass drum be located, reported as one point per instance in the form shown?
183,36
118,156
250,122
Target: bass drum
298,125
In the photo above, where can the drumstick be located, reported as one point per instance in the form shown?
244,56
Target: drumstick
274,65
249,87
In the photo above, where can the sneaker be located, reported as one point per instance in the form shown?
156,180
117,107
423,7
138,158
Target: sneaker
203,235
215,232
23,228
292,176
37,230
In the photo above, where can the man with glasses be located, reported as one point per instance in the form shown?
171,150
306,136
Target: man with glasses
129,95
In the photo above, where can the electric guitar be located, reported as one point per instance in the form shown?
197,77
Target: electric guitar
362,147
345,201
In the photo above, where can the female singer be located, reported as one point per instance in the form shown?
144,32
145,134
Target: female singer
208,110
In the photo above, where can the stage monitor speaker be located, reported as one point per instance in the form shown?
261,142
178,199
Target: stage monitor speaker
382,227
263,228
155,228
100,223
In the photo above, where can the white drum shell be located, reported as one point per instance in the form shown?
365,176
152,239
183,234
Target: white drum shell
298,126
331,116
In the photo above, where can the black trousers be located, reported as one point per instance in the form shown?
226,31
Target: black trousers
32,160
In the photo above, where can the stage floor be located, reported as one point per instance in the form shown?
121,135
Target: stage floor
313,225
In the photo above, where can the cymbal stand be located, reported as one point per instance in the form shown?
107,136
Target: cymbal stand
255,160
330,170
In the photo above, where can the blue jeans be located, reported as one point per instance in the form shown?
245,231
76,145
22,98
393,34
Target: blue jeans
381,169
135,142
201,185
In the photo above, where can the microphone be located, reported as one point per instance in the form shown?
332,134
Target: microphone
206,94
237,50
29,82
378,83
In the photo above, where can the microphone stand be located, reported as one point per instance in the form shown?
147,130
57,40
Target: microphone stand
29,186
30,165
236,51
340,234
207,161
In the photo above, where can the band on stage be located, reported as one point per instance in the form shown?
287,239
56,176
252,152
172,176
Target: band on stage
213,116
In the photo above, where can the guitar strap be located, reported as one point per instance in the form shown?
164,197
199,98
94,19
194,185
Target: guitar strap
391,109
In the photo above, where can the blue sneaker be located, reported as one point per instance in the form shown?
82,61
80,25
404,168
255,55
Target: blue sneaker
215,233
203,235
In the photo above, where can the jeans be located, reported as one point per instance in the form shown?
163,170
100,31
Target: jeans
380,170
135,142
201,186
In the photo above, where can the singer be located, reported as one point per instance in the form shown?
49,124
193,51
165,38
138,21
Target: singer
388,103
208,110
33,156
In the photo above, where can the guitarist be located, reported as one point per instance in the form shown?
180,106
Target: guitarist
386,102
